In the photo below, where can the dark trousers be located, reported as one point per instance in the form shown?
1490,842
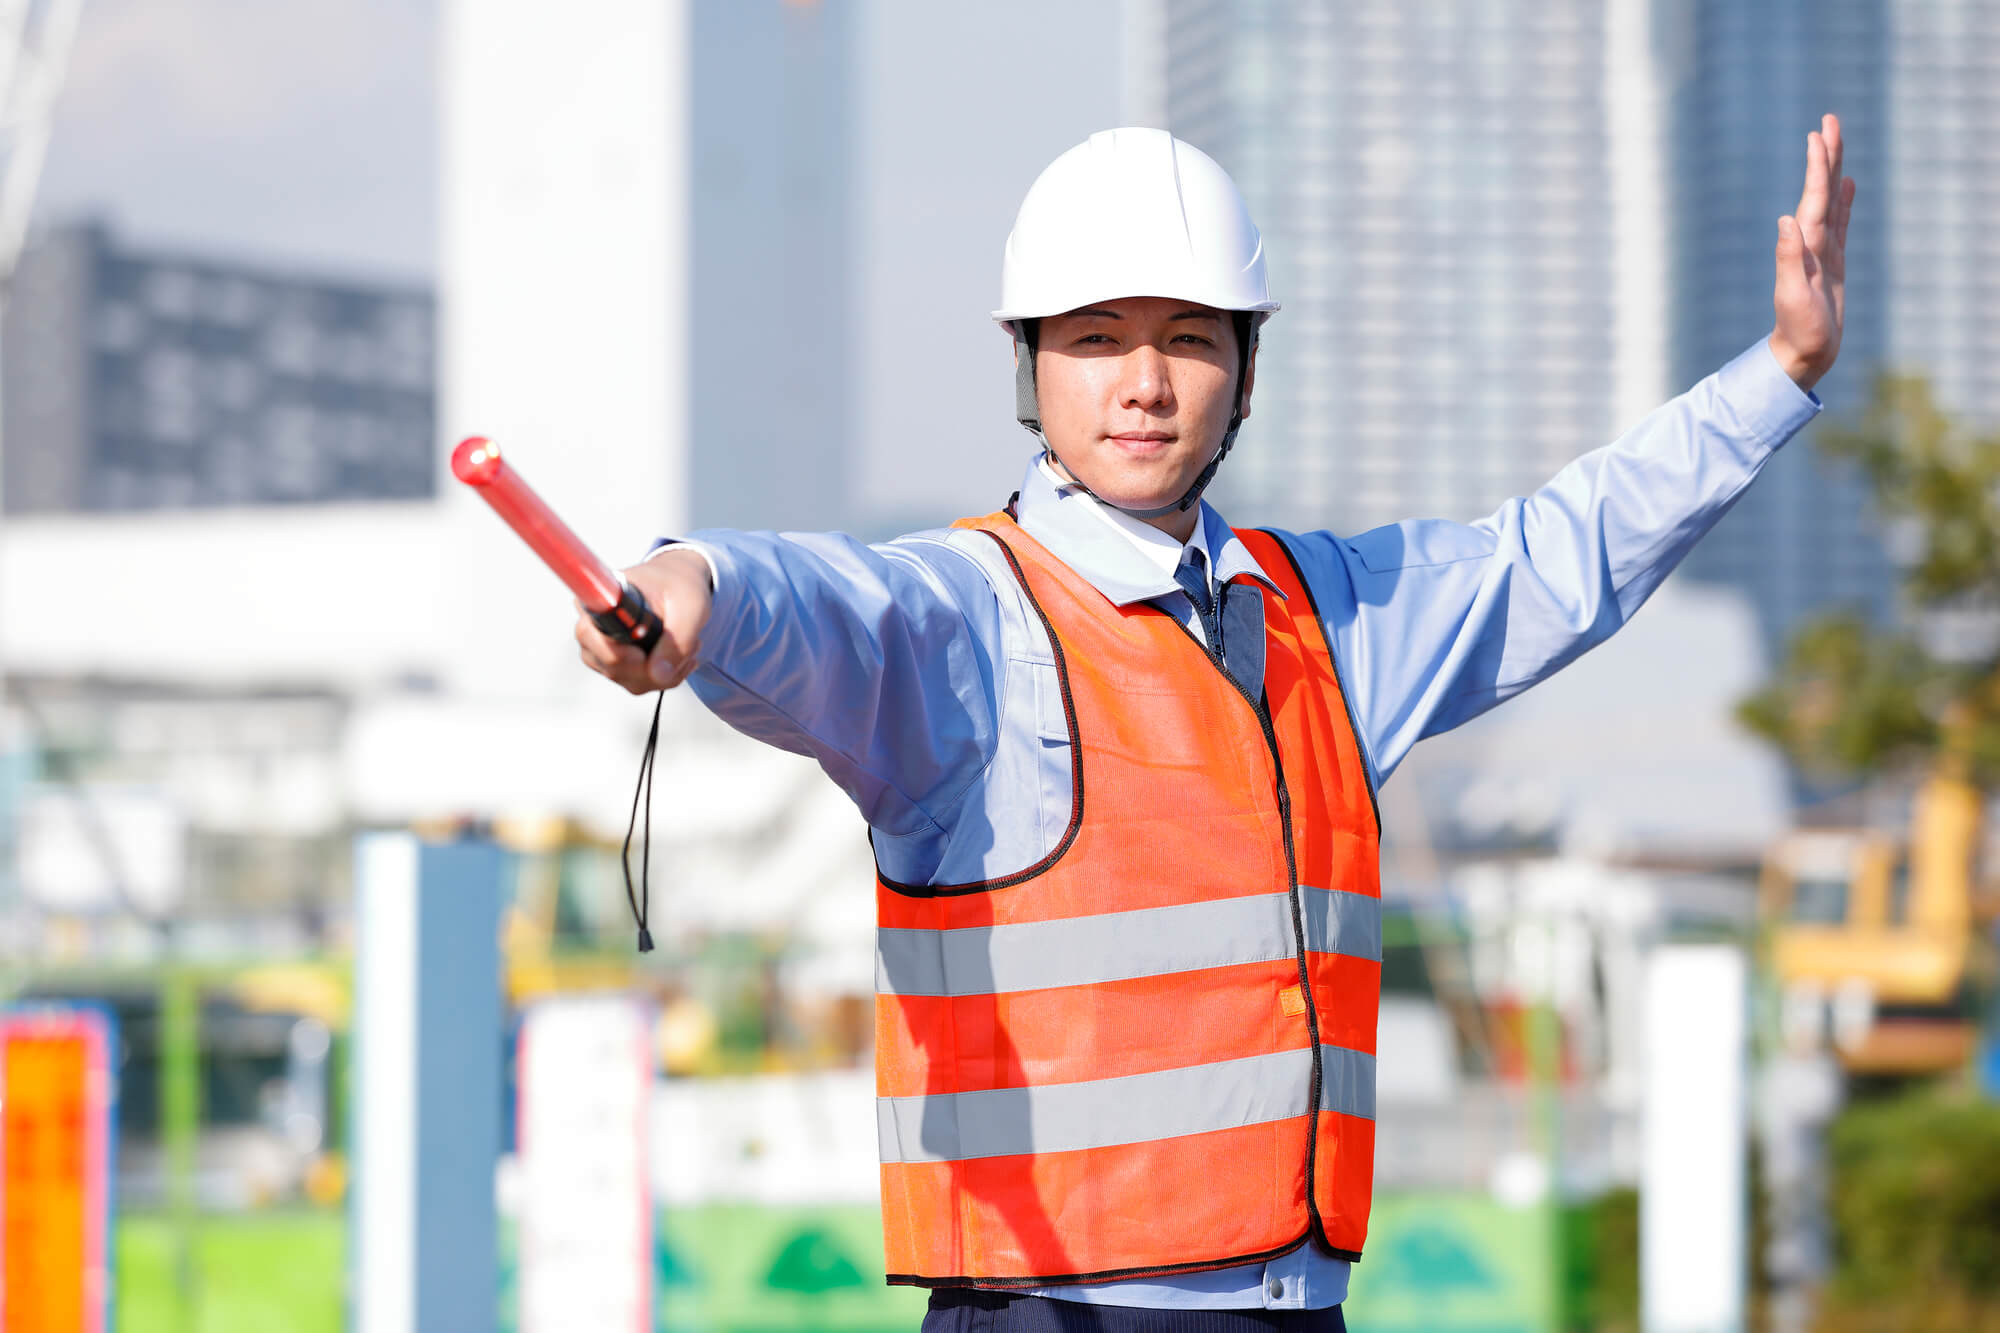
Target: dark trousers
964,1310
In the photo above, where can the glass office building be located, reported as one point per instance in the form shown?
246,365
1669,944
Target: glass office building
1942,127
1433,182
1436,186
1747,83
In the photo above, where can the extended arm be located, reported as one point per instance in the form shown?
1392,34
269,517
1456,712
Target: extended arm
878,661
1435,622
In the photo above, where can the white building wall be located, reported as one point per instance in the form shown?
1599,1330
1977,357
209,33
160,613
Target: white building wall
341,594
563,303
563,310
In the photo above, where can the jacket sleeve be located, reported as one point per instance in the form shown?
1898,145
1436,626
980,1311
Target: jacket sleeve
878,661
1435,622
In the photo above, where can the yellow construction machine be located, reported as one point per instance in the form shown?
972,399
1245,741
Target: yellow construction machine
1877,940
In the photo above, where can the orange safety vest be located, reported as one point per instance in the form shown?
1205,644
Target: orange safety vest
1106,1066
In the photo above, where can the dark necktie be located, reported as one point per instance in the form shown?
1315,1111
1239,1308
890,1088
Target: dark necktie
1192,575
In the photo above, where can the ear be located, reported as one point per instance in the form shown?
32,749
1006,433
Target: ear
1249,383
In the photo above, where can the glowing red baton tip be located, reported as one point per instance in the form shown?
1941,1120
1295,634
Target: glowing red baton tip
478,464
475,460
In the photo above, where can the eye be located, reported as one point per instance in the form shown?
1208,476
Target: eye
1194,338
1089,339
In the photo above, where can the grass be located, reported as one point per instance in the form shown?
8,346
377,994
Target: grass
251,1273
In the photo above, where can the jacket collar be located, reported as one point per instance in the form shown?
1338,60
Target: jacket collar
1093,539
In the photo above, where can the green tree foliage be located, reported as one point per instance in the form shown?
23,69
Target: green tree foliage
1916,1205
1852,699
1916,1180
1600,1250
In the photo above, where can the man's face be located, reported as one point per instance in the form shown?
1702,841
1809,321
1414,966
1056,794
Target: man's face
1135,395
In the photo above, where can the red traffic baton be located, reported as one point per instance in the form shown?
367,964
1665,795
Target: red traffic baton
615,605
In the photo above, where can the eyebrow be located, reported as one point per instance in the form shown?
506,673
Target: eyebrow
1099,312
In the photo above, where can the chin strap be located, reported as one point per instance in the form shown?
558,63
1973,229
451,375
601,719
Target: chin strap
1028,411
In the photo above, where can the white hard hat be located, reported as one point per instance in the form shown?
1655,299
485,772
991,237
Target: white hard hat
1132,212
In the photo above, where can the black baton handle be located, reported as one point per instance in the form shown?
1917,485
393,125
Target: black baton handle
631,620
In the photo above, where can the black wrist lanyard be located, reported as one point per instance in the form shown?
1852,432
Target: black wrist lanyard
642,793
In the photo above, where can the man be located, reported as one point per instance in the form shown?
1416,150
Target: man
1118,760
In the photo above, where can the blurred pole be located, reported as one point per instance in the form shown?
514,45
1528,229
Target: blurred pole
34,56
1544,1041
1693,1202
180,1128
427,1084
1798,1094
1989,1044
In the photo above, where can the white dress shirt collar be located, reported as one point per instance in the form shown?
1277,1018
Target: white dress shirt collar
1125,559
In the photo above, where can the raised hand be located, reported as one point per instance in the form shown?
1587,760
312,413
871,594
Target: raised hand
1811,294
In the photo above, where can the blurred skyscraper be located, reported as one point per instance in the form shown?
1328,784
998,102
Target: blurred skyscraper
143,380
1915,84
774,359
1503,230
1747,82
1941,124
1435,186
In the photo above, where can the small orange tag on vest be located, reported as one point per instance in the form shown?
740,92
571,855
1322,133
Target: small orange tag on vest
1292,1000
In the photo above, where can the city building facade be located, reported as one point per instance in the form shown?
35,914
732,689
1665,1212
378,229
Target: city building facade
139,380
1746,83
1942,170
1434,186
1502,230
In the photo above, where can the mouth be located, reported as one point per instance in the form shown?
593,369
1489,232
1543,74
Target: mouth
1144,443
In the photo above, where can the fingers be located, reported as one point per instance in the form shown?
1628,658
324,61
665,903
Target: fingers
1834,248
616,660
675,584
1826,200
1815,197
670,662
601,652
1791,246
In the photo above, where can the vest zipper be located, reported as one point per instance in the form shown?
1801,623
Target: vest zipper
1263,716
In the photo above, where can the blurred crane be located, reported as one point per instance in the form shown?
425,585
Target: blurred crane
35,37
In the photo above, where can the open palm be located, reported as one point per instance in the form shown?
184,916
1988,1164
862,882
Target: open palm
1811,294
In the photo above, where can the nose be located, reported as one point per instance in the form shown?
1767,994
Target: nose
1144,383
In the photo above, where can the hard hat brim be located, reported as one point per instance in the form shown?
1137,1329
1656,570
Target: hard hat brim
1264,308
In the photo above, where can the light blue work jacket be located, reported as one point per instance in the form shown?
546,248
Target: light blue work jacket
919,677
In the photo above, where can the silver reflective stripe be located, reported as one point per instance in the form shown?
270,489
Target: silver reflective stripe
1347,1081
1342,922
1115,946
1137,1108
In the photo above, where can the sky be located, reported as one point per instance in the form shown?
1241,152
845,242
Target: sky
949,147
300,132
306,133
